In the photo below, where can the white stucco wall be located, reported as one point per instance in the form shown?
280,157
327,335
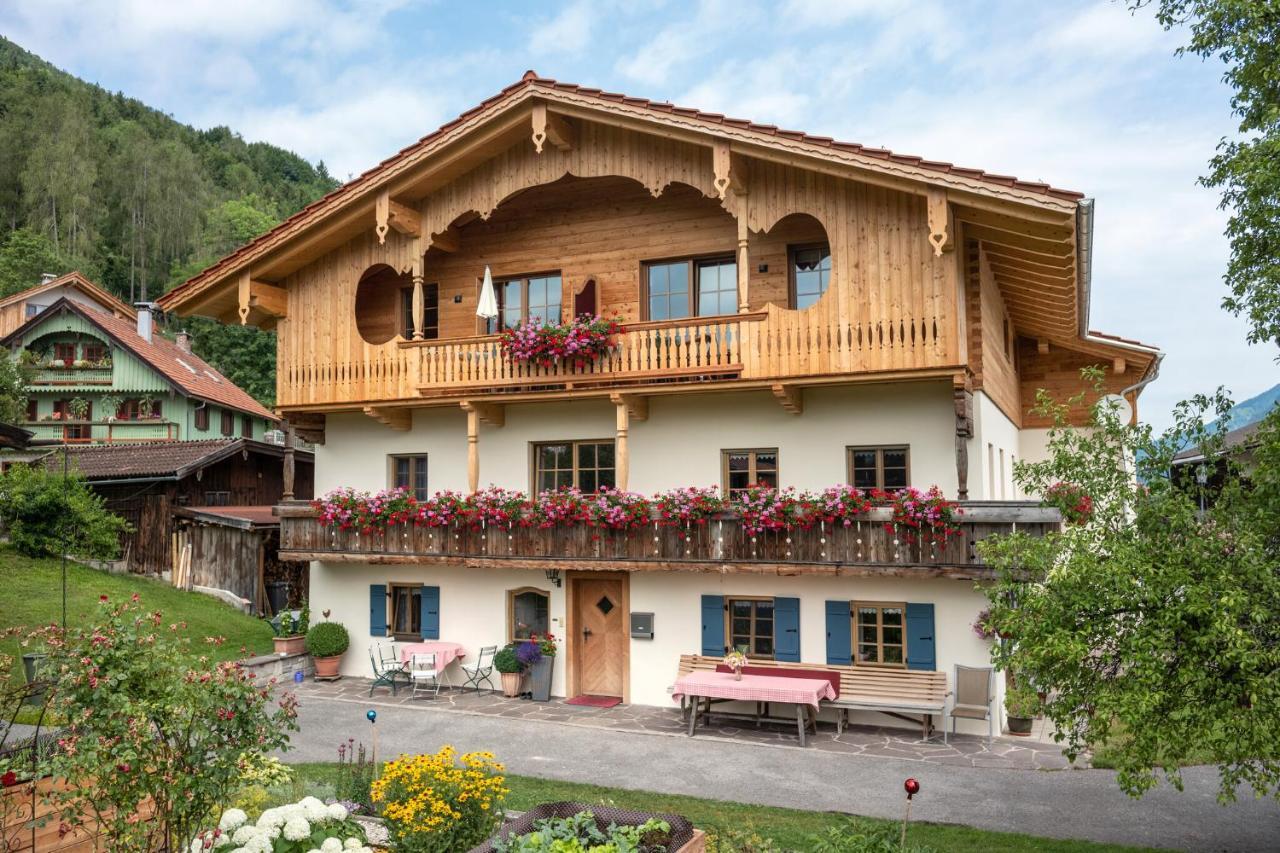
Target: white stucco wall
995,446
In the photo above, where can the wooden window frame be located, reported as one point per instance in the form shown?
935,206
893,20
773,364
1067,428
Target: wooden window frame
879,450
393,458
728,625
880,606
751,466
523,278
511,611
201,418
793,298
217,497
692,262
228,424
535,470
101,349
429,332
403,637
60,347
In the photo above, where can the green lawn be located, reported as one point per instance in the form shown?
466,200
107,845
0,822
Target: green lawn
790,828
31,595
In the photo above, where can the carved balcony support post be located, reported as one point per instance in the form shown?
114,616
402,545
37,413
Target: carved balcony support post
744,260
290,440
964,431
473,448
941,223
419,301
622,453
731,183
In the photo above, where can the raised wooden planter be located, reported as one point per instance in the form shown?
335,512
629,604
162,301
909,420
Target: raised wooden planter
32,824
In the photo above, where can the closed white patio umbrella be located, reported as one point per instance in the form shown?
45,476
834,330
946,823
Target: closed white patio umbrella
488,305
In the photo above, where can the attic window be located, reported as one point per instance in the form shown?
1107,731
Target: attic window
211,375
184,364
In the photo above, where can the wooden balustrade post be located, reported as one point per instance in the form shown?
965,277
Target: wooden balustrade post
744,255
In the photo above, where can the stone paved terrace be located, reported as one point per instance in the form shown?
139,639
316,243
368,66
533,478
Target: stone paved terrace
1031,753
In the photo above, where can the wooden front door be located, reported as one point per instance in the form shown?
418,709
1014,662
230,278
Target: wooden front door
601,635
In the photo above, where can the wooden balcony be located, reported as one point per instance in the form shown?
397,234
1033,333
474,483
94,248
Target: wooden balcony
103,431
747,349
71,376
864,549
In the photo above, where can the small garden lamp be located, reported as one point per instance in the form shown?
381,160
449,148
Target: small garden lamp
372,716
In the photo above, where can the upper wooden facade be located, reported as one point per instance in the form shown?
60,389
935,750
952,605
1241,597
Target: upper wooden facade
935,271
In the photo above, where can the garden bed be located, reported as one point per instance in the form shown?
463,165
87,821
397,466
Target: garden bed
682,837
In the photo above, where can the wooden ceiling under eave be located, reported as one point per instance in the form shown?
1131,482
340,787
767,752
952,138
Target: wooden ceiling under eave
1034,265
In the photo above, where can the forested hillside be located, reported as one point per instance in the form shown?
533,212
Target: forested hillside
100,182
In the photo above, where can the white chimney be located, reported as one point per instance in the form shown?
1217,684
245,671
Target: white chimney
183,340
145,324
46,277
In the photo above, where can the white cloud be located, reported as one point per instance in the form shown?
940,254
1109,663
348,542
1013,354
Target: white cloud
567,32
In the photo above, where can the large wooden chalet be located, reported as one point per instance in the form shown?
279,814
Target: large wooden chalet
796,311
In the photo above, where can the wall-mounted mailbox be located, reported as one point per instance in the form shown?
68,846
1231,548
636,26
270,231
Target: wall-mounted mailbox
642,626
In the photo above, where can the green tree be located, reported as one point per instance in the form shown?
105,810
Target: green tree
1245,35
58,181
24,256
44,511
13,390
1151,624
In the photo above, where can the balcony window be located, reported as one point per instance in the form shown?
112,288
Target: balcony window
750,626
430,312
65,353
94,352
410,473
879,634
527,298
885,468
584,465
690,287
745,468
810,274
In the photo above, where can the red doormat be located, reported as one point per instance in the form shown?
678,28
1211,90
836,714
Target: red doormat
594,701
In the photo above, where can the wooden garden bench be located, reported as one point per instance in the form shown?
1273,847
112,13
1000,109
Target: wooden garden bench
914,695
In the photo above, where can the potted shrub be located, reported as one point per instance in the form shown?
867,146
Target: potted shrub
508,665
540,665
79,408
326,643
1022,704
290,632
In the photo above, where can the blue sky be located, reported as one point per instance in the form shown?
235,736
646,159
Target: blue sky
1083,95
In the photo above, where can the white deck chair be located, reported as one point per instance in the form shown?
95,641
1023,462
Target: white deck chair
422,670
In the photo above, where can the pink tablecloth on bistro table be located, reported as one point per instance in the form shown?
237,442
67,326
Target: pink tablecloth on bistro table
446,653
754,688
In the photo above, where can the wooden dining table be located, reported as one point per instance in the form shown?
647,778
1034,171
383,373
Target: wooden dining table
702,686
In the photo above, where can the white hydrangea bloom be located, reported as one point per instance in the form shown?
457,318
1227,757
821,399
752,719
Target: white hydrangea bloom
271,817
245,834
331,845
197,844
353,843
232,819
261,844
336,811
223,840
313,808
297,829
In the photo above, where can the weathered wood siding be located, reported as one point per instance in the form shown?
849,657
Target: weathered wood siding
999,377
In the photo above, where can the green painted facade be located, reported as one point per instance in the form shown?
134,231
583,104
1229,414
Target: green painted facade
144,405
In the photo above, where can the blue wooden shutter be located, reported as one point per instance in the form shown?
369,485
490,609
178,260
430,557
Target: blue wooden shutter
377,610
839,633
430,616
921,649
786,628
713,625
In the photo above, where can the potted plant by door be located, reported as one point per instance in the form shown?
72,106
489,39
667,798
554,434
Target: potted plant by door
508,665
291,632
1021,704
541,665
326,643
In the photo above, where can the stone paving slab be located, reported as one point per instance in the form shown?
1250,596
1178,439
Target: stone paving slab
884,742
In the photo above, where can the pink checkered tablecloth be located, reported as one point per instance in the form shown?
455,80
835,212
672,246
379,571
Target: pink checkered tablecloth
446,653
754,688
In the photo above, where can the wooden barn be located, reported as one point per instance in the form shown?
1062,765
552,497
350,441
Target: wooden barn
146,483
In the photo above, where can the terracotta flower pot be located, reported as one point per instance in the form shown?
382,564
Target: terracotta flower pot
328,667
290,645
511,683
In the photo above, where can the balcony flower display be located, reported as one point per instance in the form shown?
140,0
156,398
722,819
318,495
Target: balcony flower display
443,509
690,505
577,343
560,508
617,510
765,508
841,505
921,515
497,507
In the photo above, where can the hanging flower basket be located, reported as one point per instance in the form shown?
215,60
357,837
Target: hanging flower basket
578,343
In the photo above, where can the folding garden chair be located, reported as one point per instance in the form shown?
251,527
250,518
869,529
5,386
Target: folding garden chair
422,670
481,670
388,671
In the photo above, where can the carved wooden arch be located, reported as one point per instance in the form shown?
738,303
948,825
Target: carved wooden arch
601,151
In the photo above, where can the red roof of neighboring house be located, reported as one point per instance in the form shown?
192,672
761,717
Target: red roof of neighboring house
531,79
192,375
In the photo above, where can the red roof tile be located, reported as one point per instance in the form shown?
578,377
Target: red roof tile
531,79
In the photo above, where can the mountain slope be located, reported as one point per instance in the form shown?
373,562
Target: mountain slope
1252,410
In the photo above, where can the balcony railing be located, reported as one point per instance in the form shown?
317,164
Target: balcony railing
71,376
103,431
864,548
764,346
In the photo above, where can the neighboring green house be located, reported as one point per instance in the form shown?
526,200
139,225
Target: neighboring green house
100,377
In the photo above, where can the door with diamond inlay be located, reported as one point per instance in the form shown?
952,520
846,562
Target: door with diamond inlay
601,638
